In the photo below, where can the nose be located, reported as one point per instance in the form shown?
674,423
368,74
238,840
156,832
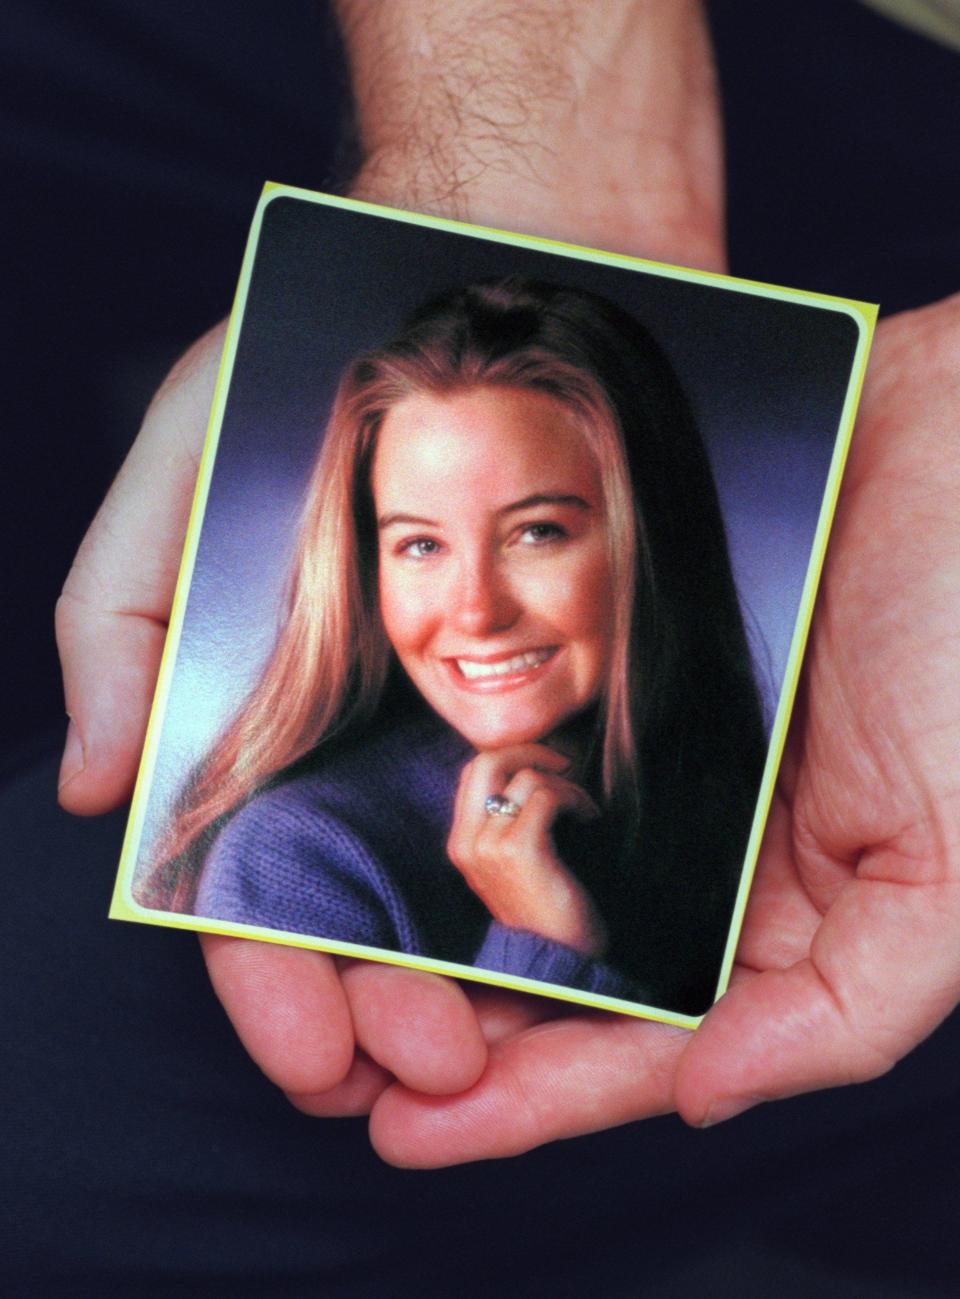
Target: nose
482,601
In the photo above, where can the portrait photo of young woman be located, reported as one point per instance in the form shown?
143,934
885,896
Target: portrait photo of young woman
510,719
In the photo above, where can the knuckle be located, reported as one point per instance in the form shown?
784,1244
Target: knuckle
544,798
523,785
488,862
510,854
194,365
485,764
72,612
455,850
62,612
553,760
874,1054
486,843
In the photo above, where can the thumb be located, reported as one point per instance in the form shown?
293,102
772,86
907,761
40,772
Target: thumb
846,1013
111,618
772,1035
110,660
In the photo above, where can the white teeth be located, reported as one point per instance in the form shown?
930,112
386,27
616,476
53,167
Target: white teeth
505,667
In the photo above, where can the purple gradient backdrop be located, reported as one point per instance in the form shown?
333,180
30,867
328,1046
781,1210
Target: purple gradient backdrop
766,378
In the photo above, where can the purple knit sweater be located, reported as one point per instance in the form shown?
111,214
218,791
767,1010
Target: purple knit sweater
355,851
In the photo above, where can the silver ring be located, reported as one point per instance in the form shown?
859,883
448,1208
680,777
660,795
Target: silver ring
497,805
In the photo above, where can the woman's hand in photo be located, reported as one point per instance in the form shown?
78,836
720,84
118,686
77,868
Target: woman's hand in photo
507,803
850,954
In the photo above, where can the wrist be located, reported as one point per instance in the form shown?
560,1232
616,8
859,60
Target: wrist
556,908
567,121
657,226
575,919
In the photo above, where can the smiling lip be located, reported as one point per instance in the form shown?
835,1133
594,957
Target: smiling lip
500,671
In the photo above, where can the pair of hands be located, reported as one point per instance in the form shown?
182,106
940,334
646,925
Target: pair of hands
850,951
530,118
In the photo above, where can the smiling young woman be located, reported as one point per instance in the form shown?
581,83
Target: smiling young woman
510,721
499,606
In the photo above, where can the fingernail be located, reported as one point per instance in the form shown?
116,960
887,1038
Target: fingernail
73,760
721,1111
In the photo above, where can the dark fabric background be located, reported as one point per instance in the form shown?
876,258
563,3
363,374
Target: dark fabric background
142,1153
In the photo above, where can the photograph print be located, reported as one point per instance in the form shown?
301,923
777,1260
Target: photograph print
492,607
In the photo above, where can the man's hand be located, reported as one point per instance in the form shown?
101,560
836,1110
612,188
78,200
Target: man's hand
592,123
309,1023
851,949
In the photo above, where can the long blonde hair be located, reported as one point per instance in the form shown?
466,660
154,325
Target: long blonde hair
329,666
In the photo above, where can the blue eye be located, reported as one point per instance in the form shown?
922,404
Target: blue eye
536,534
420,548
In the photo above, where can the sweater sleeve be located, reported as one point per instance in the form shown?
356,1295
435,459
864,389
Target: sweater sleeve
279,864
530,956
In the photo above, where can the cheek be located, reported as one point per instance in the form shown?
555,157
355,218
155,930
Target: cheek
406,616
590,613
583,601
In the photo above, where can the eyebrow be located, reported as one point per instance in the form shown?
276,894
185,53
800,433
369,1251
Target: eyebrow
546,498
528,503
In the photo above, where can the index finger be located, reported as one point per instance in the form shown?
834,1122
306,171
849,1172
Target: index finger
111,618
556,1080
491,771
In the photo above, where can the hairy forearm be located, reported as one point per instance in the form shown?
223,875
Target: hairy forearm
590,121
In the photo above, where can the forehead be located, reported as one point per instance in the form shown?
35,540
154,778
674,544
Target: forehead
484,444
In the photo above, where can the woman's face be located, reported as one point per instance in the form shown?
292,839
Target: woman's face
495,585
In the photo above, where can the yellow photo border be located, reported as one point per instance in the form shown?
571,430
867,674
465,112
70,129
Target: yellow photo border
124,907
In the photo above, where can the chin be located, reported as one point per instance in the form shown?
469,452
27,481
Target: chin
505,734
504,739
